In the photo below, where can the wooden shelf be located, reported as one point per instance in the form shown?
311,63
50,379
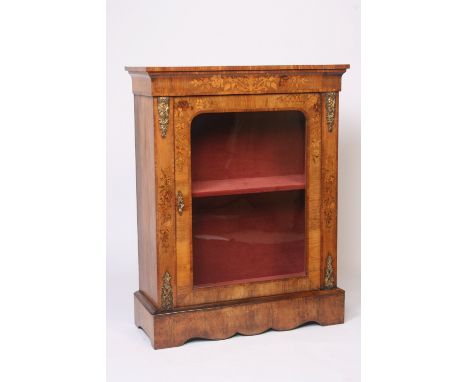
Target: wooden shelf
240,186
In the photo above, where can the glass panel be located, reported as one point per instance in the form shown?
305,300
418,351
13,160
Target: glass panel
248,198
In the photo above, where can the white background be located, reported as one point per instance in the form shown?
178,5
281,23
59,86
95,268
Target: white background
190,33
52,200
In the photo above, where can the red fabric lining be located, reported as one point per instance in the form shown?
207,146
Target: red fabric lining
248,236
241,232
247,145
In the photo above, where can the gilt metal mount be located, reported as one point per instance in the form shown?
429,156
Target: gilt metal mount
330,102
180,202
166,292
329,274
163,112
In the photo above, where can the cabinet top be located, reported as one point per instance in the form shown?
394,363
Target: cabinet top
166,69
218,80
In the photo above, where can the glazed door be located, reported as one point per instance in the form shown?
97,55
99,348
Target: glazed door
247,177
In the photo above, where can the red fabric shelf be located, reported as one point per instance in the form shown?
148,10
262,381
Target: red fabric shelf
240,186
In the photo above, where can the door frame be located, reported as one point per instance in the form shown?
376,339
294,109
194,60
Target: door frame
185,109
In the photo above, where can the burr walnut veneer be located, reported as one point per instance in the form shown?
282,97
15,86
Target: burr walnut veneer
237,199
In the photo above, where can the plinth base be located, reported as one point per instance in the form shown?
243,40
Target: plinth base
247,317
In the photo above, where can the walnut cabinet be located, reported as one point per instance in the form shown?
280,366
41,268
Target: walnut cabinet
237,199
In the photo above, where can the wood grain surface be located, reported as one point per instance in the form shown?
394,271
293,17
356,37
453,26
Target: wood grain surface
184,81
165,69
168,306
185,109
247,317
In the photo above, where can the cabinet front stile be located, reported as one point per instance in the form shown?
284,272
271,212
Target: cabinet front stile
165,199
183,202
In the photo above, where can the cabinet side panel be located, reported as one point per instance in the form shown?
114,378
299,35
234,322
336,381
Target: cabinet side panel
146,208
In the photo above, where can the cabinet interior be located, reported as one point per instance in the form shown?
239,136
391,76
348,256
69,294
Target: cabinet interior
248,196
